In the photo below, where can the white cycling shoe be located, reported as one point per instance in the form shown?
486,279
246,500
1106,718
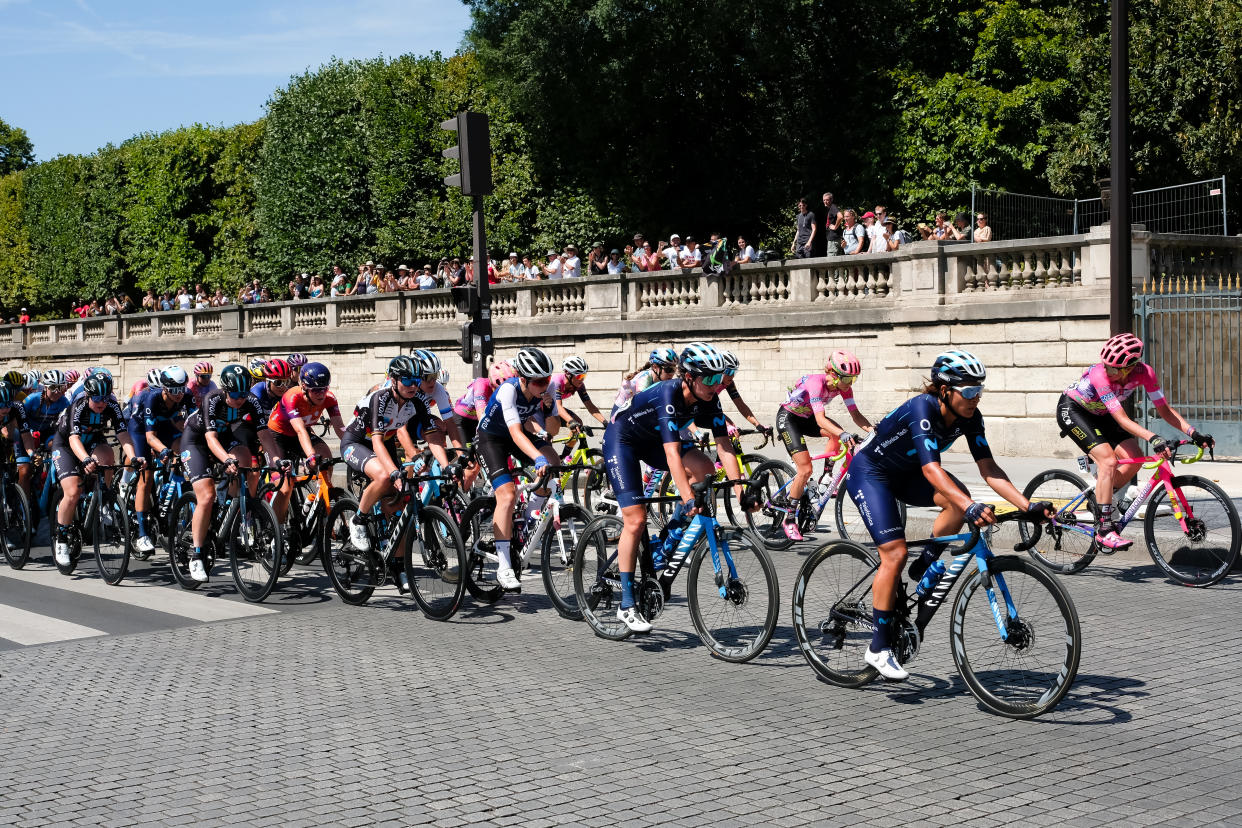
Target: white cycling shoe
61,551
144,545
508,579
886,663
631,617
198,571
358,536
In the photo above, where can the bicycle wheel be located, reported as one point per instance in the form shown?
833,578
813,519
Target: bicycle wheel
556,559
735,617
597,495
1202,552
832,611
597,582
255,549
850,523
1068,542
17,526
480,572
434,563
737,517
769,479
1030,671
180,541
110,537
582,478
75,531
355,482
354,574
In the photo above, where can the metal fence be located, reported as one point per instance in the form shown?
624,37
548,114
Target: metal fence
1192,329
1195,208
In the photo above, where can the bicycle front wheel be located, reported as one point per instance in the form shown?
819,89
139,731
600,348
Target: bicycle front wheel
435,564
735,616
481,561
556,559
832,611
110,537
1203,550
354,573
255,550
768,523
180,540
1030,669
17,526
597,581
1068,541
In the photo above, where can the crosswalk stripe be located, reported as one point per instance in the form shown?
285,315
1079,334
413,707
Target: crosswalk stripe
156,597
23,627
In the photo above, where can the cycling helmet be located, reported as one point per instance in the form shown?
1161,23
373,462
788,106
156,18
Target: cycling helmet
97,385
100,371
173,376
402,366
844,364
153,379
428,364
6,395
235,378
204,367
315,375
575,365
296,361
31,381
663,356
72,376
53,376
958,368
499,372
257,366
137,388
16,379
731,362
532,363
444,376
700,359
1122,351
278,369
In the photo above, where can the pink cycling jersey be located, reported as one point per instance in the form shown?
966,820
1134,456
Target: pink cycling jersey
1098,394
473,403
560,388
813,392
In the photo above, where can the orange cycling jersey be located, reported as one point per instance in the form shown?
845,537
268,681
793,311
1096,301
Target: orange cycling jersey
296,405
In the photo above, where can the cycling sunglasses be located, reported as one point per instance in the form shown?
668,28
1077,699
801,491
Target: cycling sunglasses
280,383
410,381
730,372
845,379
203,378
55,387
577,377
237,395
100,398
712,380
970,392
175,389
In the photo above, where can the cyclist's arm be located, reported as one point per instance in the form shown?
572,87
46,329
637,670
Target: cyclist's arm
338,424
943,483
439,452
995,477
861,421
453,430
1129,426
216,447
155,443
827,426
518,434
381,449
304,437
745,411
78,448
728,460
127,443
1170,416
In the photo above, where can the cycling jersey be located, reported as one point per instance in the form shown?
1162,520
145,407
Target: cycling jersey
438,400
639,382
471,405
266,400
152,413
197,392
18,425
561,388
42,414
78,419
216,415
509,407
297,404
813,392
1099,394
381,412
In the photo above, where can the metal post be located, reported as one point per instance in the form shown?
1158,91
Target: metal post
1121,307
1075,230
482,337
1224,208
971,225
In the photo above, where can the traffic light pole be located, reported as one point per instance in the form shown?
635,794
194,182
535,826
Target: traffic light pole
482,323
1121,306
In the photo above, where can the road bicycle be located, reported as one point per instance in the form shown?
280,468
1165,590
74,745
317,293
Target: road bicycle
429,542
1190,525
168,484
585,464
747,462
99,520
309,504
16,521
1014,631
734,601
243,527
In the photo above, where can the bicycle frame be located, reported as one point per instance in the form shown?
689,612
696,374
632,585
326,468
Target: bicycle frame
844,458
704,523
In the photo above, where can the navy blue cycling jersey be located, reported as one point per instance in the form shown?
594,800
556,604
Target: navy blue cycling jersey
43,414
914,434
266,401
509,406
661,411
152,412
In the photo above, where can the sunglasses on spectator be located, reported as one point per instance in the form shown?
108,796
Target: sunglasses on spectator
970,392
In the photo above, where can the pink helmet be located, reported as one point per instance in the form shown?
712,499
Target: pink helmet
1122,351
72,376
844,364
204,367
500,371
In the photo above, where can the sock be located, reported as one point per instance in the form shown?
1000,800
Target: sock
198,551
62,532
502,554
883,623
627,590
141,517
1106,518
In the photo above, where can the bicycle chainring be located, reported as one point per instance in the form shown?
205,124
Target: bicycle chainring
906,642
651,599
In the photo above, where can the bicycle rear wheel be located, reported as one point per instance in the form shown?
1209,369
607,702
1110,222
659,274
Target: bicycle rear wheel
1068,541
180,540
435,563
735,617
355,574
556,560
255,550
832,611
597,582
1203,552
110,537
17,526
768,523
1032,669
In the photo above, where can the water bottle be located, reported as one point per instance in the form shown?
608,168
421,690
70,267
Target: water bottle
658,558
675,531
930,578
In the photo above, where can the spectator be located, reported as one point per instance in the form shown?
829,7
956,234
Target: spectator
852,234
365,283
512,270
881,215
983,233
457,273
166,302
746,253
552,270
219,300
597,262
942,230
297,287
925,232
891,235
390,284
265,295
691,256
639,241
185,300
960,230
614,265
201,299
110,306
426,281
627,260
529,269
875,233
671,253
804,232
644,259
127,304
316,287
24,319
832,227
406,278
149,302
572,265
340,282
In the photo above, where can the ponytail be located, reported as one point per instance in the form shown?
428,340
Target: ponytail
638,371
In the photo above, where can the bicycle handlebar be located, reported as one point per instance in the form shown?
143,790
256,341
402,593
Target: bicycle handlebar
955,548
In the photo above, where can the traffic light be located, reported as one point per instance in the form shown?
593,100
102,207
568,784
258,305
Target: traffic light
473,150
466,338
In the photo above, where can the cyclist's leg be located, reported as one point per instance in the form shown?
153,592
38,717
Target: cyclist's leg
286,448
494,453
142,484
68,477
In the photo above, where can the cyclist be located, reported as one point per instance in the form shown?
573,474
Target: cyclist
571,380
278,376
1090,413
503,434
43,408
661,365
155,427
296,361
436,397
221,430
256,367
290,422
79,446
30,384
802,415
471,405
732,364
15,380
78,388
901,461
368,447
648,430
15,430
201,385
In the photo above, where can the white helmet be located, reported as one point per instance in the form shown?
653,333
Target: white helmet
532,363
575,365
153,379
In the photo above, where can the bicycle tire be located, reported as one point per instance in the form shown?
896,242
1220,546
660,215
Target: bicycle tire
556,559
75,534
767,523
598,498
596,584
832,615
1205,555
354,573
850,523
580,478
435,564
180,540
737,626
1067,544
256,550
480,573
735,514
18,526
1015,687
110,539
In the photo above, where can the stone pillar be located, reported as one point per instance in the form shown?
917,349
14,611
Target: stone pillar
230,321
801,284
286,316
388,310
710,291
603,297
525,304
332,317
112,328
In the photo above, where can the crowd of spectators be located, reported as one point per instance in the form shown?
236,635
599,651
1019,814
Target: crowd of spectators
838,231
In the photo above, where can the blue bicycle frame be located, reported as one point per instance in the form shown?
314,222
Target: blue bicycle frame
993,583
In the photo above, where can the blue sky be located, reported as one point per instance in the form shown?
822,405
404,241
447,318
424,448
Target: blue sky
80,74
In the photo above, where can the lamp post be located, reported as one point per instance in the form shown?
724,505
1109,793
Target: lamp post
1121,302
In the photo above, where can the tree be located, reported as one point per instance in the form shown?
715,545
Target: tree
16,151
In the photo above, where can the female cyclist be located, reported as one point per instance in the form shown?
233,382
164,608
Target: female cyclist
661,366
470,407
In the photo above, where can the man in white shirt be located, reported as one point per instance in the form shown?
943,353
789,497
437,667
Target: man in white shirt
875,232
552,270
691,256
672,253
573,265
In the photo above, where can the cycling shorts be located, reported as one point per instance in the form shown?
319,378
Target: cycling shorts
469,427
875,494
290,447
1088,430
358,453
65,461
197,459
794,430
494,453
165,431
623,464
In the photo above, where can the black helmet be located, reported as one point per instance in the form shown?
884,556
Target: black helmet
97,385
402,366
235,378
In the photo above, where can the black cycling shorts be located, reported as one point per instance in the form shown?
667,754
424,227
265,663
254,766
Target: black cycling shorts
494,453
290,447
358,453
794,429
1088,430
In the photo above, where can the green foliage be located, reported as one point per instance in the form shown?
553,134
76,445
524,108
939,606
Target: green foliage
233,251
18,286
16,151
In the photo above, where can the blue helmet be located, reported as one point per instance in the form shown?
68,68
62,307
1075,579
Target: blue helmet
663,356
6,395
958,368
701,359
315,375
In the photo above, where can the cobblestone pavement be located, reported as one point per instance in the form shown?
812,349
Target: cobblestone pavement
512,716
